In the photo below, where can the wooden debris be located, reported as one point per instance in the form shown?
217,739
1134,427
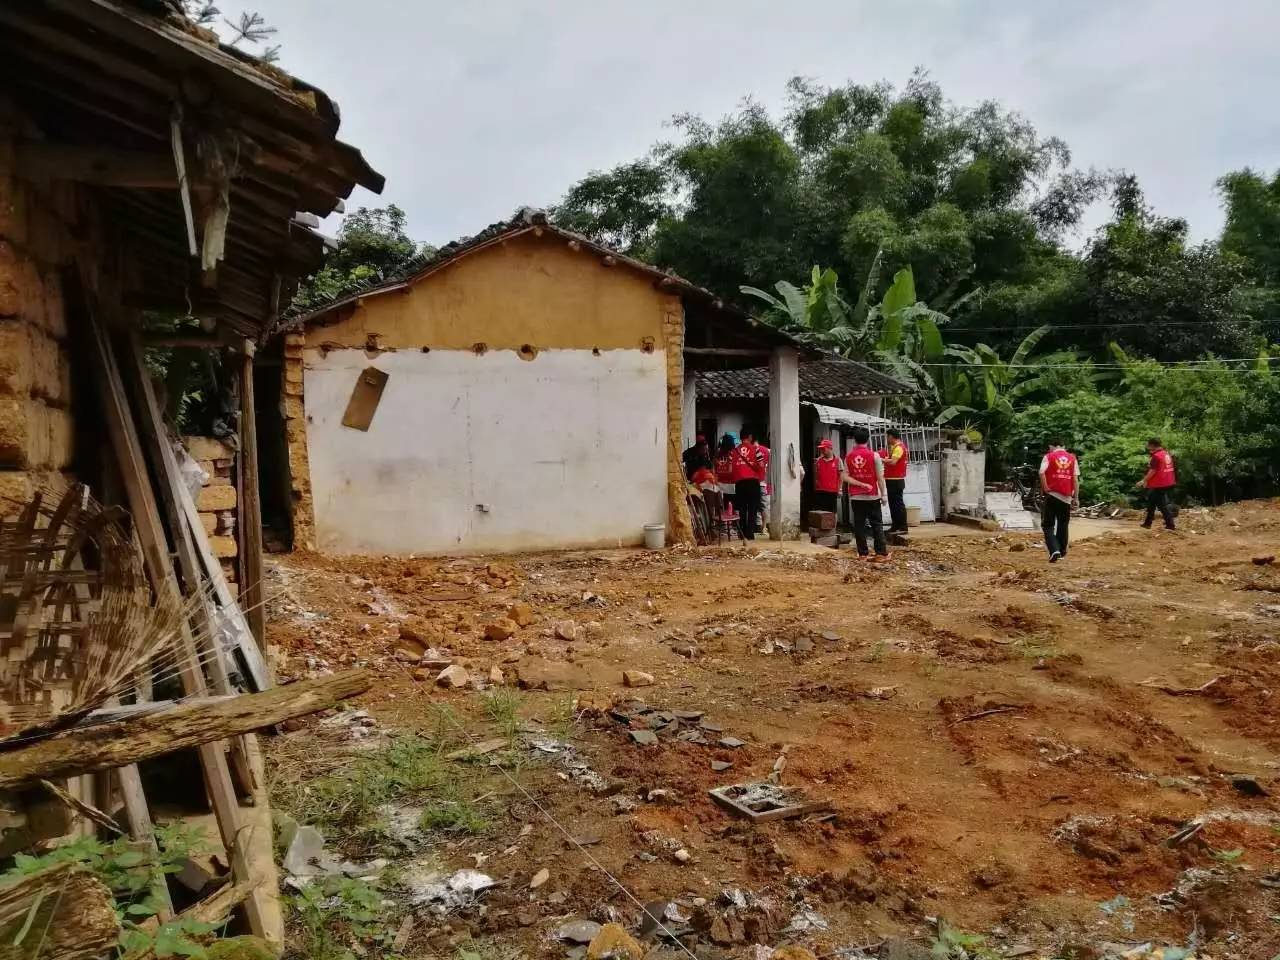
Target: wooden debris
1005,708
86,810
765,801
59,913
104,746
1183,691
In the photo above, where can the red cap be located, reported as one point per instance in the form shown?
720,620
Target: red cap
824,444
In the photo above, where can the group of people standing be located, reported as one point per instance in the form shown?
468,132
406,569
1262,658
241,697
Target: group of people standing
873,477
1060,482
739,470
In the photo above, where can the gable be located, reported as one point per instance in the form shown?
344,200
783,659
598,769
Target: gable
524,290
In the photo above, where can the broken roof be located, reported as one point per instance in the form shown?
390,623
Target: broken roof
531,221
106,84
830,379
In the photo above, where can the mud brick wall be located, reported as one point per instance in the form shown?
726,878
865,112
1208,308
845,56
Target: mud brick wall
217,500
40,231
679,523
295,433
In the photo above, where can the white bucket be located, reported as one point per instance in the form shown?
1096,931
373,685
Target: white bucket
655,536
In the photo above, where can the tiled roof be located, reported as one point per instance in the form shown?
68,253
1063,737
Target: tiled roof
819,380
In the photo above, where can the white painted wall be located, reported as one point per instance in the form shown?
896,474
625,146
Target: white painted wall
488,453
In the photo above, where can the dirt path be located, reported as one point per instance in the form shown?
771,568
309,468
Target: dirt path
990,730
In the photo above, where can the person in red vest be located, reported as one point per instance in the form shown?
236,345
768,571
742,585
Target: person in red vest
1159,483
895,480
1060,481
724,469
828,477
864,476
749,471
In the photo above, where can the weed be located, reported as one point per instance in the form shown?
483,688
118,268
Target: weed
876,653
562,717
954,944
454,815
1227,856
502,706
486,950
448,732
346,801
1037,650
340,919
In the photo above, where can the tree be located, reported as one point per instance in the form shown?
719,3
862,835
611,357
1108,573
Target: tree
372,246
1148,289
1252,234
965,196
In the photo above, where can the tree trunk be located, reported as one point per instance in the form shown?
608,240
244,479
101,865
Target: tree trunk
59,913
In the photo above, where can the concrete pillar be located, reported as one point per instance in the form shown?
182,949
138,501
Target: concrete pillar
689,410
784,443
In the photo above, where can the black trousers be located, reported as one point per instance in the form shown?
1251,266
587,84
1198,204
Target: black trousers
1055,518
748,504
1158,499
825,500
897,506
866,513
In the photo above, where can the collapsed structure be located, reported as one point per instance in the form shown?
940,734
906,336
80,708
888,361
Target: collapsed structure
143,167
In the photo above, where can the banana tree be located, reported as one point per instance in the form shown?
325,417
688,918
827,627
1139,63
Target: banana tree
982,386
818,313
909,339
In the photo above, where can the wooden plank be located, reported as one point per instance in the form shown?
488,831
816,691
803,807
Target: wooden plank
364,398
263,916
250,521
41,161
82,750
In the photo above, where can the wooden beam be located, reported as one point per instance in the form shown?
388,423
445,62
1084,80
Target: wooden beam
727,352
262,914
250,520
38,160
191,723
201,341
184,184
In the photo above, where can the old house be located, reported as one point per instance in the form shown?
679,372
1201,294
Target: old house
146,171
523,389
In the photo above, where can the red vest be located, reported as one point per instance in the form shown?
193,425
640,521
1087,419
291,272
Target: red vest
861,464
896,471
724,467
1060,473
1162,464
826,475
748,463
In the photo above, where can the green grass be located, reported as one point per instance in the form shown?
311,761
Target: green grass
453,815
562,717
502,708
876,654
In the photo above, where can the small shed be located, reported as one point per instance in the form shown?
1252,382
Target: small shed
522,389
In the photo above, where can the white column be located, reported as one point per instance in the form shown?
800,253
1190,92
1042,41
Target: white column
689,410
784,443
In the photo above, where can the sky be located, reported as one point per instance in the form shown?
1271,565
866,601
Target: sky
472,109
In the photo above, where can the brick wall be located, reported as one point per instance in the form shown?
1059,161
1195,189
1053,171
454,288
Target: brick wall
679,523
217,500
295,432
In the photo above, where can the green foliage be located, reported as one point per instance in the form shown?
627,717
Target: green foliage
502,706
845,173
1218,420
346,801
951,943
372,246
129,872
342,919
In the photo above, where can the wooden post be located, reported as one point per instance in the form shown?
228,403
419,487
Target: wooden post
250,526
263,912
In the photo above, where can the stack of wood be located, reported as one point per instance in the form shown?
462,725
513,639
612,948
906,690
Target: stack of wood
121,647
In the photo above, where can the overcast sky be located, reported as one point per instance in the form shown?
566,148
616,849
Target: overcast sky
472,108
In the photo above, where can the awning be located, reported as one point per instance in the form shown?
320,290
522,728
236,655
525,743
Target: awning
841,417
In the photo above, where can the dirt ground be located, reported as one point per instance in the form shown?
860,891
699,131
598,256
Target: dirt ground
1005,744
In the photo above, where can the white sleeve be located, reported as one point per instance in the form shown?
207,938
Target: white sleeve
879,466
1044,463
